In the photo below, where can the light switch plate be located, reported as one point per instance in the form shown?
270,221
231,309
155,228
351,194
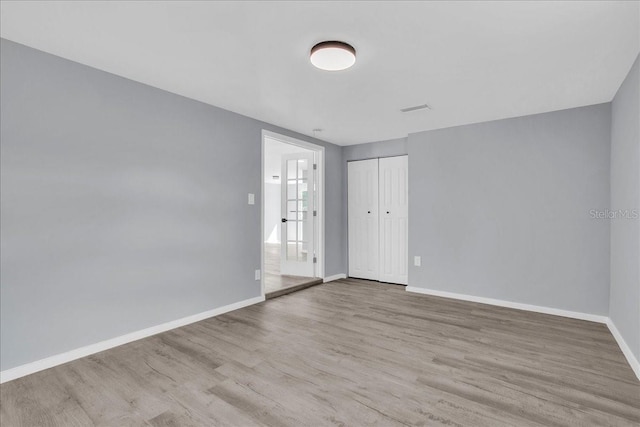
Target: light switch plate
257,274
252,199
417,261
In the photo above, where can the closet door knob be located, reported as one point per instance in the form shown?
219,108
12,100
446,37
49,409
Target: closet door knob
368,211
387,211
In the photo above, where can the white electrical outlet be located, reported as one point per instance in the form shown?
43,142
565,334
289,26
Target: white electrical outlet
252,199
417,261
257,274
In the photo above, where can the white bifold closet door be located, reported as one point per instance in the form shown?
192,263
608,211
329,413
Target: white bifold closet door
394,211
378,213
363,219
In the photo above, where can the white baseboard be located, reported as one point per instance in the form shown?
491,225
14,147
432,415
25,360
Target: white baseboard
59,359
633,361
509,304
635,365
334,277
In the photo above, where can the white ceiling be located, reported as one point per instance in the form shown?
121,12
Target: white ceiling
471,61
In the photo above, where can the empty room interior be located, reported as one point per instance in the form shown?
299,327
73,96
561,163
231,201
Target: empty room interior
310,213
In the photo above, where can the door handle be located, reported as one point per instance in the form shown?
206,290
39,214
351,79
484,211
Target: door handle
368,211
284,219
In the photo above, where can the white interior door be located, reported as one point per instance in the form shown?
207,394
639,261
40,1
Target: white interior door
393,200
363,218
298,206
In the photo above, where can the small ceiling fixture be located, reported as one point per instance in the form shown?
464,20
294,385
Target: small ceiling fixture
333,55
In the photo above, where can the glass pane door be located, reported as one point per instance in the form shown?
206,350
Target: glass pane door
298,202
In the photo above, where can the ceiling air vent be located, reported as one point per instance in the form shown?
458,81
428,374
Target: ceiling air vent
416,108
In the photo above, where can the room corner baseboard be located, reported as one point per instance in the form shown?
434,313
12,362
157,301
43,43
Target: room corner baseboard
334,277
633,362
509,304
59,359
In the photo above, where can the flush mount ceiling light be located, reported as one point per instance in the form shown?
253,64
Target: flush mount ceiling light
333,55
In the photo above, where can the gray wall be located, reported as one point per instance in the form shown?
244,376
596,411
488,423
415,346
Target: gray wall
372,150
502,209
624,309
124,206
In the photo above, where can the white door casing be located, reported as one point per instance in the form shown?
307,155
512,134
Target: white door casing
393,202
363,218
298,206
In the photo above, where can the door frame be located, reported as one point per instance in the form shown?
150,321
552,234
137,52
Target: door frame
319,242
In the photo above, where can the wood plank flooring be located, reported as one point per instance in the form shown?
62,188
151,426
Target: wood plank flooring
345,353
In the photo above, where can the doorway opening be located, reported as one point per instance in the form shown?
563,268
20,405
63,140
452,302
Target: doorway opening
292,214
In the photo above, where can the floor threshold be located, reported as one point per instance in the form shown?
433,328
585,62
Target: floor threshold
294,288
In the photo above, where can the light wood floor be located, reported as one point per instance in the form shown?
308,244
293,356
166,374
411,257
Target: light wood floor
346,353
274,282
